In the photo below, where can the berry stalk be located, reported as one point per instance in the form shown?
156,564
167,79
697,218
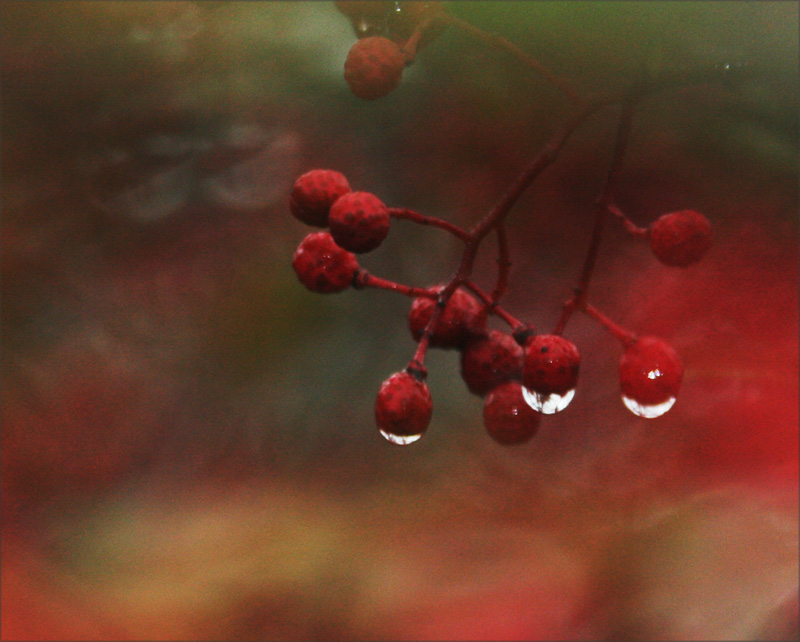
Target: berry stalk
364,279
492,305
418,360
601,210
635,230
495,40
626,338
503,263
432,221
496,216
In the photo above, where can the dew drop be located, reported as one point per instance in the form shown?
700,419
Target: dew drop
400,440
648,412
547,404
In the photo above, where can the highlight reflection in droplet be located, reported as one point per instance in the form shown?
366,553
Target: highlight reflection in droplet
547,404
648,412
400,440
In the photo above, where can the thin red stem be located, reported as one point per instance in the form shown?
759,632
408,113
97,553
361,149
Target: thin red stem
639,232
409,49
493,307
493,220
563,85
543,160
601,211
498,213
503,263
432,221
364,279
418,360
626,338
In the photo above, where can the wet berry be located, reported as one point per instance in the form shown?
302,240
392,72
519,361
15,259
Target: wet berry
314,193
680,238
403,408
551,365
463,318
490,360
322,266
374,67
359,221
507,417
650,371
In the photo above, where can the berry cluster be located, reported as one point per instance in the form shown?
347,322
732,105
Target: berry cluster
521,374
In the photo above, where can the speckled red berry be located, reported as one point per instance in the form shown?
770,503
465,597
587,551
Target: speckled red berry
650,371
463,317
403,408
507,418
551,364
314,193
359,221
490,360
374,67
680,238
322,266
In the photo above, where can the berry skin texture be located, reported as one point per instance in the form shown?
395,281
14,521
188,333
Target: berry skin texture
488,361
314,193
551,364
680,239
650,371
403,407
463,318
322,266
374,67
507,417
359,222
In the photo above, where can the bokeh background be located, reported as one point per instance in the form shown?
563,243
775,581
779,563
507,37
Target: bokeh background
188,444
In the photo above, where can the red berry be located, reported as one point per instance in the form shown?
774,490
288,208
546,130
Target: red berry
323,266
551,365
359,221
507,417
490,360
463,317
374,67
314,193
650,371
403,408
680,238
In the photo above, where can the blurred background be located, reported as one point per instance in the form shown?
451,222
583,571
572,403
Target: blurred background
188,443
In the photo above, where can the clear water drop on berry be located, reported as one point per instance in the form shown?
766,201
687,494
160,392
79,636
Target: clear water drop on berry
647,411
547,404
400,440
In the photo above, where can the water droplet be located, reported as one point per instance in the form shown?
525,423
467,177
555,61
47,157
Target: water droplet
648,412
547,404
400,440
